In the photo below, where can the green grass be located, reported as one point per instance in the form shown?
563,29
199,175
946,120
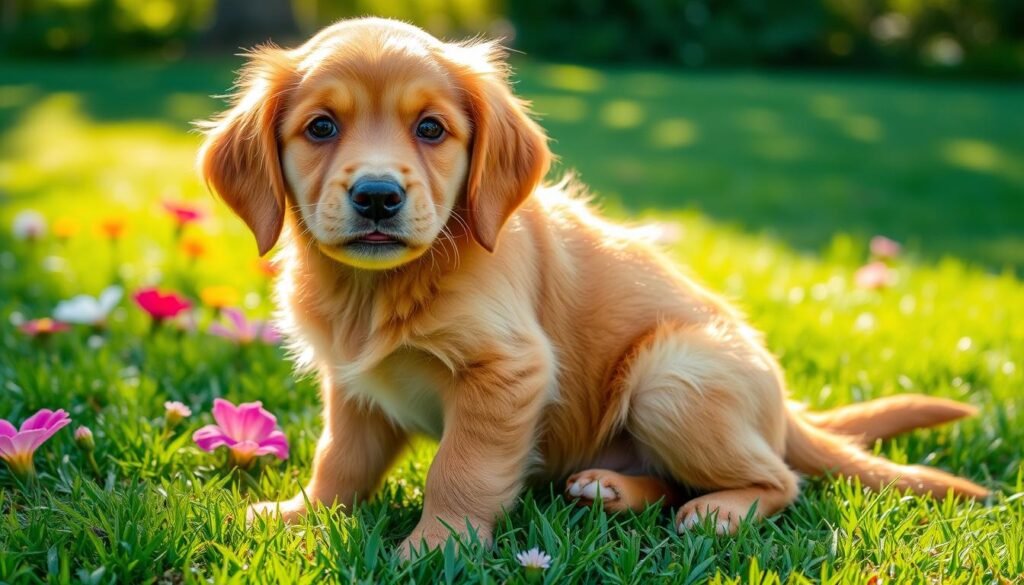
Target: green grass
776,182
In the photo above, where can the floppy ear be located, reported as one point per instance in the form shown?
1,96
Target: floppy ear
239,158
510,154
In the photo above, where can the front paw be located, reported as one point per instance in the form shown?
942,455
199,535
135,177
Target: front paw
289,511
421,542
428,536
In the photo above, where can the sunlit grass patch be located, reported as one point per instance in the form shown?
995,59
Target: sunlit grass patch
782,236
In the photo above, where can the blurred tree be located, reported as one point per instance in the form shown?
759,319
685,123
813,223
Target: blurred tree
983,36
98,27
245,23
977,36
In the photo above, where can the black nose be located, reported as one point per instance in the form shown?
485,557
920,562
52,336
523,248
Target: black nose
377,199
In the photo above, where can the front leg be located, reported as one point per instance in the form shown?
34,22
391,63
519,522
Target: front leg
358,444
491,415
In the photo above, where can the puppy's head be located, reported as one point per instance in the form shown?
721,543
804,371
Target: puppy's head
374,134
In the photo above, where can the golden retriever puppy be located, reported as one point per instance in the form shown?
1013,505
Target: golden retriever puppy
438,288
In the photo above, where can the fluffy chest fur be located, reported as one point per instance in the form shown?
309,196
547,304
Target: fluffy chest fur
407,387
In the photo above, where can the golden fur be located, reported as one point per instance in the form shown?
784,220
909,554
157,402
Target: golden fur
532,338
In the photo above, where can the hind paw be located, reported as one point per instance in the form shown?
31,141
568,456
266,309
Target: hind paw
616,491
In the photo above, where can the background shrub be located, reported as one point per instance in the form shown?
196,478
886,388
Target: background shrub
981,37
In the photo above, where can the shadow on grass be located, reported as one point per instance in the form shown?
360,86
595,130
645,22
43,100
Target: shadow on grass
938,166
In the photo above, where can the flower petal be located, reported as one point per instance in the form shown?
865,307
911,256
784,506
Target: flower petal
269,334
237,319
276,444
256,422
37,420
46,418
109,298
226,415
82,309
7,429
6,447
219,330
29,441
32,439
210,437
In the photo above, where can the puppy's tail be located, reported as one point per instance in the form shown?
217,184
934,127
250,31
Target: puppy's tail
869,421
816,451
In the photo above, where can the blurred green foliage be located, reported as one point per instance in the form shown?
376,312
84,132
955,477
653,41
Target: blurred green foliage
981,37
99,27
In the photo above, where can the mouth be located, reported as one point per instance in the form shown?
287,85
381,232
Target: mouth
374,250
375,239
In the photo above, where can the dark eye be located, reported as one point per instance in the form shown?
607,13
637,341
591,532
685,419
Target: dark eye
322,128
430,129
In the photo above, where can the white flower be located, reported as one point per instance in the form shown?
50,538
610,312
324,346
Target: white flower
87,310
534,559
29,225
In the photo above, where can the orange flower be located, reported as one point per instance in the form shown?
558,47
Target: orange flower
43,327
219,297
65,228
113,227
267,268
193,247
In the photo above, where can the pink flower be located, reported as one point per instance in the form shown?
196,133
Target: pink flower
874,275
42,327
29,225
175,412
183,213
161,305
84,438
883,247
244,331
17,446
247,430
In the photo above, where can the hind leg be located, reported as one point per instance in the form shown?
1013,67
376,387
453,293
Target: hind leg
708,408
730,507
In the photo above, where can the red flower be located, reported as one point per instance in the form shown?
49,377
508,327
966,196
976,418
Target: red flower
161,305
183,213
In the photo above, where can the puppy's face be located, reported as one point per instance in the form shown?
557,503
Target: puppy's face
372,134
375,155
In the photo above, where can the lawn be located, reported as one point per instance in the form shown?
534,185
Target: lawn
766,187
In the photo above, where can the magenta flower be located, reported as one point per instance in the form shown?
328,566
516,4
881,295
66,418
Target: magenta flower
874,275
17,446
244,331
161,305
183,213
884,248
247,430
